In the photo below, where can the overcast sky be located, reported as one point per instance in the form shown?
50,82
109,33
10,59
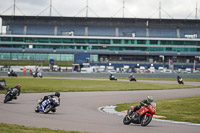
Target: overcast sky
104,8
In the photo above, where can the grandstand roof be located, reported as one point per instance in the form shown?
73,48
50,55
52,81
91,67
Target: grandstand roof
54,20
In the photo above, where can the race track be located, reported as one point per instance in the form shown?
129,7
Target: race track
79,111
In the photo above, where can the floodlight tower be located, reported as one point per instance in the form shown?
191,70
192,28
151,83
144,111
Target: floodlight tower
50,7
160,10
123,7
196,12
14,8
87,9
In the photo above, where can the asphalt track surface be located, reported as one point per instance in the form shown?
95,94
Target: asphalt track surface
79,111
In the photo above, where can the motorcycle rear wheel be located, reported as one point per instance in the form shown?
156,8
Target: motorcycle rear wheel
126,120
146,119
53,110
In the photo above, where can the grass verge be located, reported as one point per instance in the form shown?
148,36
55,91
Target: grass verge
30,85
179,109
9,128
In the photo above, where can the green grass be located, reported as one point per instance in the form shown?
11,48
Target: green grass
9,128
74,85
181,109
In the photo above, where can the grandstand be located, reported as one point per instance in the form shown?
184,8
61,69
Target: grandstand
119,41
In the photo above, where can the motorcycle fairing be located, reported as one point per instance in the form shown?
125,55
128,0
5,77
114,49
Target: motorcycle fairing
142,110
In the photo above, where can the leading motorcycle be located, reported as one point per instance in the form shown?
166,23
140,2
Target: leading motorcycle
48,105
145,115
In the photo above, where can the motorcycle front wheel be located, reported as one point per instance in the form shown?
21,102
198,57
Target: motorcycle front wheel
48,108
126,120
7,98
146,119
36,109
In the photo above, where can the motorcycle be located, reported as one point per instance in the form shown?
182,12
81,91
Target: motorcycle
2,84
145,114
113,78
48,105
180,81
37,75
132,79
11,94
12,74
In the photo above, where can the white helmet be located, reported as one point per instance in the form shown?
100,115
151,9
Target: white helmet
150,99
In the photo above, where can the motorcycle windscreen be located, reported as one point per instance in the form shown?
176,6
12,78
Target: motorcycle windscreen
152,108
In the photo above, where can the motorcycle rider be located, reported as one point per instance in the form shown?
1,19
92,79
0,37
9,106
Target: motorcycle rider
111,76
16,88
37,71
49,96
131,77
178,78
11,72
145,102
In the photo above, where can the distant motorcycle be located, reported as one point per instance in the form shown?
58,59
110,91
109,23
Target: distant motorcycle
113,78
146,115
48,105
11,94
12,74
35,75
180,81
132,79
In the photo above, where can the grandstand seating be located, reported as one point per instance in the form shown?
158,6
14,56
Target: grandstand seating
101,31
162,32
189,30
16,29
126,31
40,30
78,30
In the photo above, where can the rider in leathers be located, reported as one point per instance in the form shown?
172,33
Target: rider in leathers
49,96
145,102
17,88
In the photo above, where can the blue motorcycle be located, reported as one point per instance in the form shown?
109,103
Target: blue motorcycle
48,105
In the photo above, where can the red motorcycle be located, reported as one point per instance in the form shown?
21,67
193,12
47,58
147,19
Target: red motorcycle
145,115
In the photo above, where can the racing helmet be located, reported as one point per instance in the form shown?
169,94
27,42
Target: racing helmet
150,99
18,86
57,94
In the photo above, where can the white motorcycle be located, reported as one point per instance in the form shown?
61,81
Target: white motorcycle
39,75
